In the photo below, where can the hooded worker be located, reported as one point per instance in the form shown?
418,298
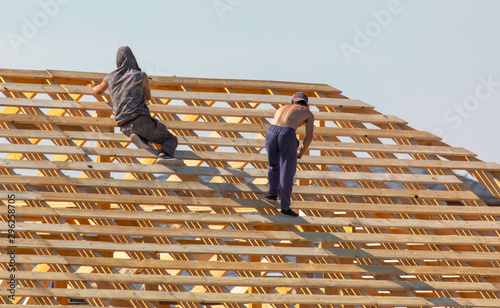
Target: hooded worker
129,91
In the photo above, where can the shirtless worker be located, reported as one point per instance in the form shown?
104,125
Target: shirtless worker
283,149
129,91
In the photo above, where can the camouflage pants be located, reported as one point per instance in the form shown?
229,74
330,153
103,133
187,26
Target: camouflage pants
153,131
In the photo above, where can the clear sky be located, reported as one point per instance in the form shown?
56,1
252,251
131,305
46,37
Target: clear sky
433,63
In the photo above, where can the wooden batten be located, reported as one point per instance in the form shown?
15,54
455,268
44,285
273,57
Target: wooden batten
387,214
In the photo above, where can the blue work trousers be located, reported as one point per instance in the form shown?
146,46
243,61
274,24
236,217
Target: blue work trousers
281,146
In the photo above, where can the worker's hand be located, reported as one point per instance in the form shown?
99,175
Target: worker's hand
299,152
98,89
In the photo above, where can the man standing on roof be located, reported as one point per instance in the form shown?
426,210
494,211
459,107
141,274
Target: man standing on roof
283,148
129,90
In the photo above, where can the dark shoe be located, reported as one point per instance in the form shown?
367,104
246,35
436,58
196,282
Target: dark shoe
271,197
140,142
164,159
289,213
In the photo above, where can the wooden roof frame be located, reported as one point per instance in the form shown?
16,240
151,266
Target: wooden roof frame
385,220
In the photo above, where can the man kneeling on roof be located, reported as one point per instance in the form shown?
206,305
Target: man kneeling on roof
129,90
283,148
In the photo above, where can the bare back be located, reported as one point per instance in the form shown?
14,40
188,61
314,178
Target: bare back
292,116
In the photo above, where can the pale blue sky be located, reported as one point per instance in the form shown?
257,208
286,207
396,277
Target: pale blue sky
433,63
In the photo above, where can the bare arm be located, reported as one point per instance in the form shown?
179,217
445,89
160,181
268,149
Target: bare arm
145,86
98,89
308,138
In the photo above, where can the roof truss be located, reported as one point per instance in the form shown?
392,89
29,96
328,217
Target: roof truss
385,219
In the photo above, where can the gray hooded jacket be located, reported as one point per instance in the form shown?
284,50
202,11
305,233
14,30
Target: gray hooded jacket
125,87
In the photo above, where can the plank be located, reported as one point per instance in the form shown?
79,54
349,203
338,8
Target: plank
237,188
243,157
223,127
229,172
318,131
239,83
393,269
58,306
235,97
238,203
290,299
208,111
203,82
258,281
311,252
19,73
89,76
174,217
445,151
279,235
54,104
33,88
